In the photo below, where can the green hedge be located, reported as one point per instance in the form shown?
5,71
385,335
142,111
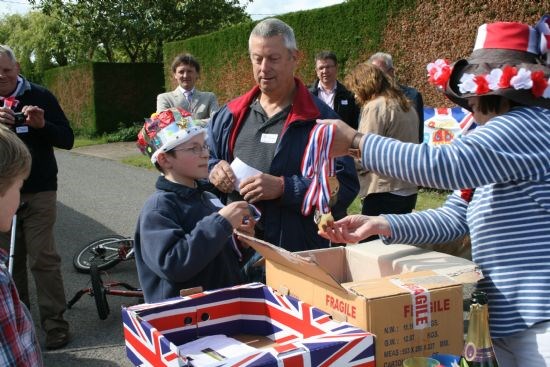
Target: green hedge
101,97
125,93
73,87
352,30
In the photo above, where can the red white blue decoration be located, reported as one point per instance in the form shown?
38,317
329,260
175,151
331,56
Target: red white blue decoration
302,335
443,125
318,166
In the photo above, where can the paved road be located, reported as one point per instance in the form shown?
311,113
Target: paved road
96,197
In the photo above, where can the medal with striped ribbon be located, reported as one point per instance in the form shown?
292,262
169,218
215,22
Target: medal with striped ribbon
317,166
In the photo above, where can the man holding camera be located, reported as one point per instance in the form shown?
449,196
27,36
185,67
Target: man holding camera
38,120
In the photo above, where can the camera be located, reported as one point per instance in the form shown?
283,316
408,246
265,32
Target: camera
20,118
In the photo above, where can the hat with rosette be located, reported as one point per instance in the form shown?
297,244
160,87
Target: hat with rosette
509,59
166,130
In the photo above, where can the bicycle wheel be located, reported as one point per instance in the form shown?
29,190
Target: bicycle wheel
100,297
105,252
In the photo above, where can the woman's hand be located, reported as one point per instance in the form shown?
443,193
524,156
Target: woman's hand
343,137
354,228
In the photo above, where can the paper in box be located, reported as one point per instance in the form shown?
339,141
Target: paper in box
283,331
410,298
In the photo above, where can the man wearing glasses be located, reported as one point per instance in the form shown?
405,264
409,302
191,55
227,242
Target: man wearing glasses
331,91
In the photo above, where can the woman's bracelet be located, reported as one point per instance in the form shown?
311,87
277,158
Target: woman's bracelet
356,140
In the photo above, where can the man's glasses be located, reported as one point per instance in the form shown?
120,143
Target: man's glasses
195,149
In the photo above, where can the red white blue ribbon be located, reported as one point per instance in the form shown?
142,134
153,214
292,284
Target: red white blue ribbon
9,102
317,166
256,214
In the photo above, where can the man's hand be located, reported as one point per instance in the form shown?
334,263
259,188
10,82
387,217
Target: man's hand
35,116
343,136
222,177
354,228
262,187
6,116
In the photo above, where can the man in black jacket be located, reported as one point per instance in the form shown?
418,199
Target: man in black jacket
36,117
331,91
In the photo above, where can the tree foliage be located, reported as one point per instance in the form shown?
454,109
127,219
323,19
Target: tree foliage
134,30
39,41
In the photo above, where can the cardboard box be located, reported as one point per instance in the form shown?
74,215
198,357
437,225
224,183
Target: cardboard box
410,298
266,329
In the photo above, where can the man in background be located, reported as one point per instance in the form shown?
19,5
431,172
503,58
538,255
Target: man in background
34,114
186,71
331,91
385,62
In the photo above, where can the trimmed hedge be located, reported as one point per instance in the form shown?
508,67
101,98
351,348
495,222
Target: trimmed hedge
101,97
73,87
352,30
415,32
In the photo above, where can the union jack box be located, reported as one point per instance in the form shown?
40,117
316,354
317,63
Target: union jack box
276,331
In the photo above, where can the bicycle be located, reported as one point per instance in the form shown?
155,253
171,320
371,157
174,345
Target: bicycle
105,252
99,291
99,255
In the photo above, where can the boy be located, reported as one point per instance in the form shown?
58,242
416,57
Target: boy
184,235
18,343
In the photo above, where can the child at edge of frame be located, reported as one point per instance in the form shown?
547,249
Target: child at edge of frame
184,236
19,345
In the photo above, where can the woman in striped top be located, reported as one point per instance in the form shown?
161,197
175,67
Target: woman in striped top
506,160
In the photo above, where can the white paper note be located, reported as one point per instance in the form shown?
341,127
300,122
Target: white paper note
242,171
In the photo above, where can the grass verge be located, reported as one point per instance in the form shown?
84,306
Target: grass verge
427,199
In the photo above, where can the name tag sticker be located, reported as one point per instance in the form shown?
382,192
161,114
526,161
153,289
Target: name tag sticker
344,102
269,138
23,129
216,202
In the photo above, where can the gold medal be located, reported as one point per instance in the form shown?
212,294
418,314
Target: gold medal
323,220
333,186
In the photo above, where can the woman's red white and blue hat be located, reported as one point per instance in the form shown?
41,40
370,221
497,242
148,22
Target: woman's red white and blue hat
509,59
166,130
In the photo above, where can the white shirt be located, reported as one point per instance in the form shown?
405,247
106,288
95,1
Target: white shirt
327,96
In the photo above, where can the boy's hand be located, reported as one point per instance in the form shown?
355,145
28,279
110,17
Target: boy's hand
236,212
247,229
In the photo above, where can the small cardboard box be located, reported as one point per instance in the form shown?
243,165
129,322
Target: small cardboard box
265,329
410,298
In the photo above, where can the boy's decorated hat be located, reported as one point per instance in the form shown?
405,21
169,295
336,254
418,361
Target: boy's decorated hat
166,130
509,59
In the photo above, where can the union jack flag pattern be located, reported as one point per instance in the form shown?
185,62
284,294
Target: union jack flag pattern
302,335
442,125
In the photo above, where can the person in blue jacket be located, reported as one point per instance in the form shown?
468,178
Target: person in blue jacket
184,235
268,128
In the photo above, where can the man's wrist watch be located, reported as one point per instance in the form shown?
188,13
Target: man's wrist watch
356,140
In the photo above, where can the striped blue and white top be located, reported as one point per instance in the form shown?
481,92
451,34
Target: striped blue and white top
508,162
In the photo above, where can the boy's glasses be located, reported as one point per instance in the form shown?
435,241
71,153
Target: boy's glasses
196,149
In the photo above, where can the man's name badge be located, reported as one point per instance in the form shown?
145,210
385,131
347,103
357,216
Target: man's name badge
344,102
23,129
269,138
